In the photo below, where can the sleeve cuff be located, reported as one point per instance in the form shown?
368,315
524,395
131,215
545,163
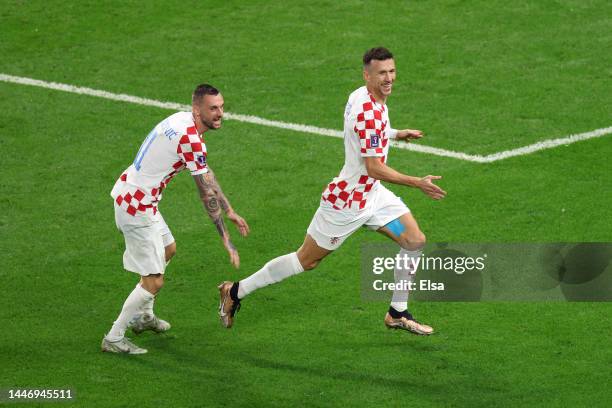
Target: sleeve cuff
200,171
392,133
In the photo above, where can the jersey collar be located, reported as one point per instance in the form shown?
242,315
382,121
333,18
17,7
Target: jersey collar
382,107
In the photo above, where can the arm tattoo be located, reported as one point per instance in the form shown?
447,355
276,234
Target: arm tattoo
214,201
223,201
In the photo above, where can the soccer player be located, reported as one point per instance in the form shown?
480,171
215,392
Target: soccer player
173,145
356,198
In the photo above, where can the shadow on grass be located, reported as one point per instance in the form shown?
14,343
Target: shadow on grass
338,375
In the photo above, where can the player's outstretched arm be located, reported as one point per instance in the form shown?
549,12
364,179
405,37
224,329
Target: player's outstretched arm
380,171
215,204
225,205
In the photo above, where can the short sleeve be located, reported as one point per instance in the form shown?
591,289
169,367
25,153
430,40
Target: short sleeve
192,151
369,127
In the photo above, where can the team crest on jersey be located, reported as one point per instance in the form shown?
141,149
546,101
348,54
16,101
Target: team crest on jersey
201,160
334,240
374,140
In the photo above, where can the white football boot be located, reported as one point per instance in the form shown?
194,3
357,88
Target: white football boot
146,321
121,346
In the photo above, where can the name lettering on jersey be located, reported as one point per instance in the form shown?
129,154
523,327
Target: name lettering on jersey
168,131
374,140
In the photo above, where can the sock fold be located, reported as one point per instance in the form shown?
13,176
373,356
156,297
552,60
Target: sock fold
147,307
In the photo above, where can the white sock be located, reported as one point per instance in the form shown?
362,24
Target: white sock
273,272
133,304
403,272
147,307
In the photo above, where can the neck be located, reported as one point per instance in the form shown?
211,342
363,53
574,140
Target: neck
199,126
201,129
379,97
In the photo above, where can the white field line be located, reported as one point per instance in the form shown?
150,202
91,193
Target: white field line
521,151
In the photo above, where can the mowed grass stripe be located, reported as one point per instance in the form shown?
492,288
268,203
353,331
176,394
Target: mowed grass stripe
525,150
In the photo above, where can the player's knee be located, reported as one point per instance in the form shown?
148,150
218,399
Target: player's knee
159,282
170,251
153,283
413,242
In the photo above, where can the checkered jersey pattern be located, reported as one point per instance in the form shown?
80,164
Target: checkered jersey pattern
366,128
337,195
131,201
175,146
192,151
370,126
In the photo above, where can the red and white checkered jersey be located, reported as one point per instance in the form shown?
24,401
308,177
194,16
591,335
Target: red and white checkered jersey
173,145
367,131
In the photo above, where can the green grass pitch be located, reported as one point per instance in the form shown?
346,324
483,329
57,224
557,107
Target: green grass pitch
478,77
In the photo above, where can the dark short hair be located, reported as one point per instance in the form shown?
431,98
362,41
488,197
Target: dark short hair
378,53
201,90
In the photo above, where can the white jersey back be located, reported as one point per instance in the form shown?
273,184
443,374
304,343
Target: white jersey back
173,145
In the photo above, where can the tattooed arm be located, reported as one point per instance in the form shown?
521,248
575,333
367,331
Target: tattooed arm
215,204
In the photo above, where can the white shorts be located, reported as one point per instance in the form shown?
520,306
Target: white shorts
329,228
145,237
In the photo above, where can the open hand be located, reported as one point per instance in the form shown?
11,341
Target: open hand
428,187
408,134
242,225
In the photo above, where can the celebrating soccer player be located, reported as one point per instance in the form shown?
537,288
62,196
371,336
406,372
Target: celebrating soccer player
172,146
356,198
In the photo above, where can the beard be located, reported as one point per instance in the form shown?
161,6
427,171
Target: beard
208,124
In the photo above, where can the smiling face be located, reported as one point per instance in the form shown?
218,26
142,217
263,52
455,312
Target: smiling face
209,112
379,76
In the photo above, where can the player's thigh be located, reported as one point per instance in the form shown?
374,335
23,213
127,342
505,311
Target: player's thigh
310,253
405,231
170,251
392,218
167,238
